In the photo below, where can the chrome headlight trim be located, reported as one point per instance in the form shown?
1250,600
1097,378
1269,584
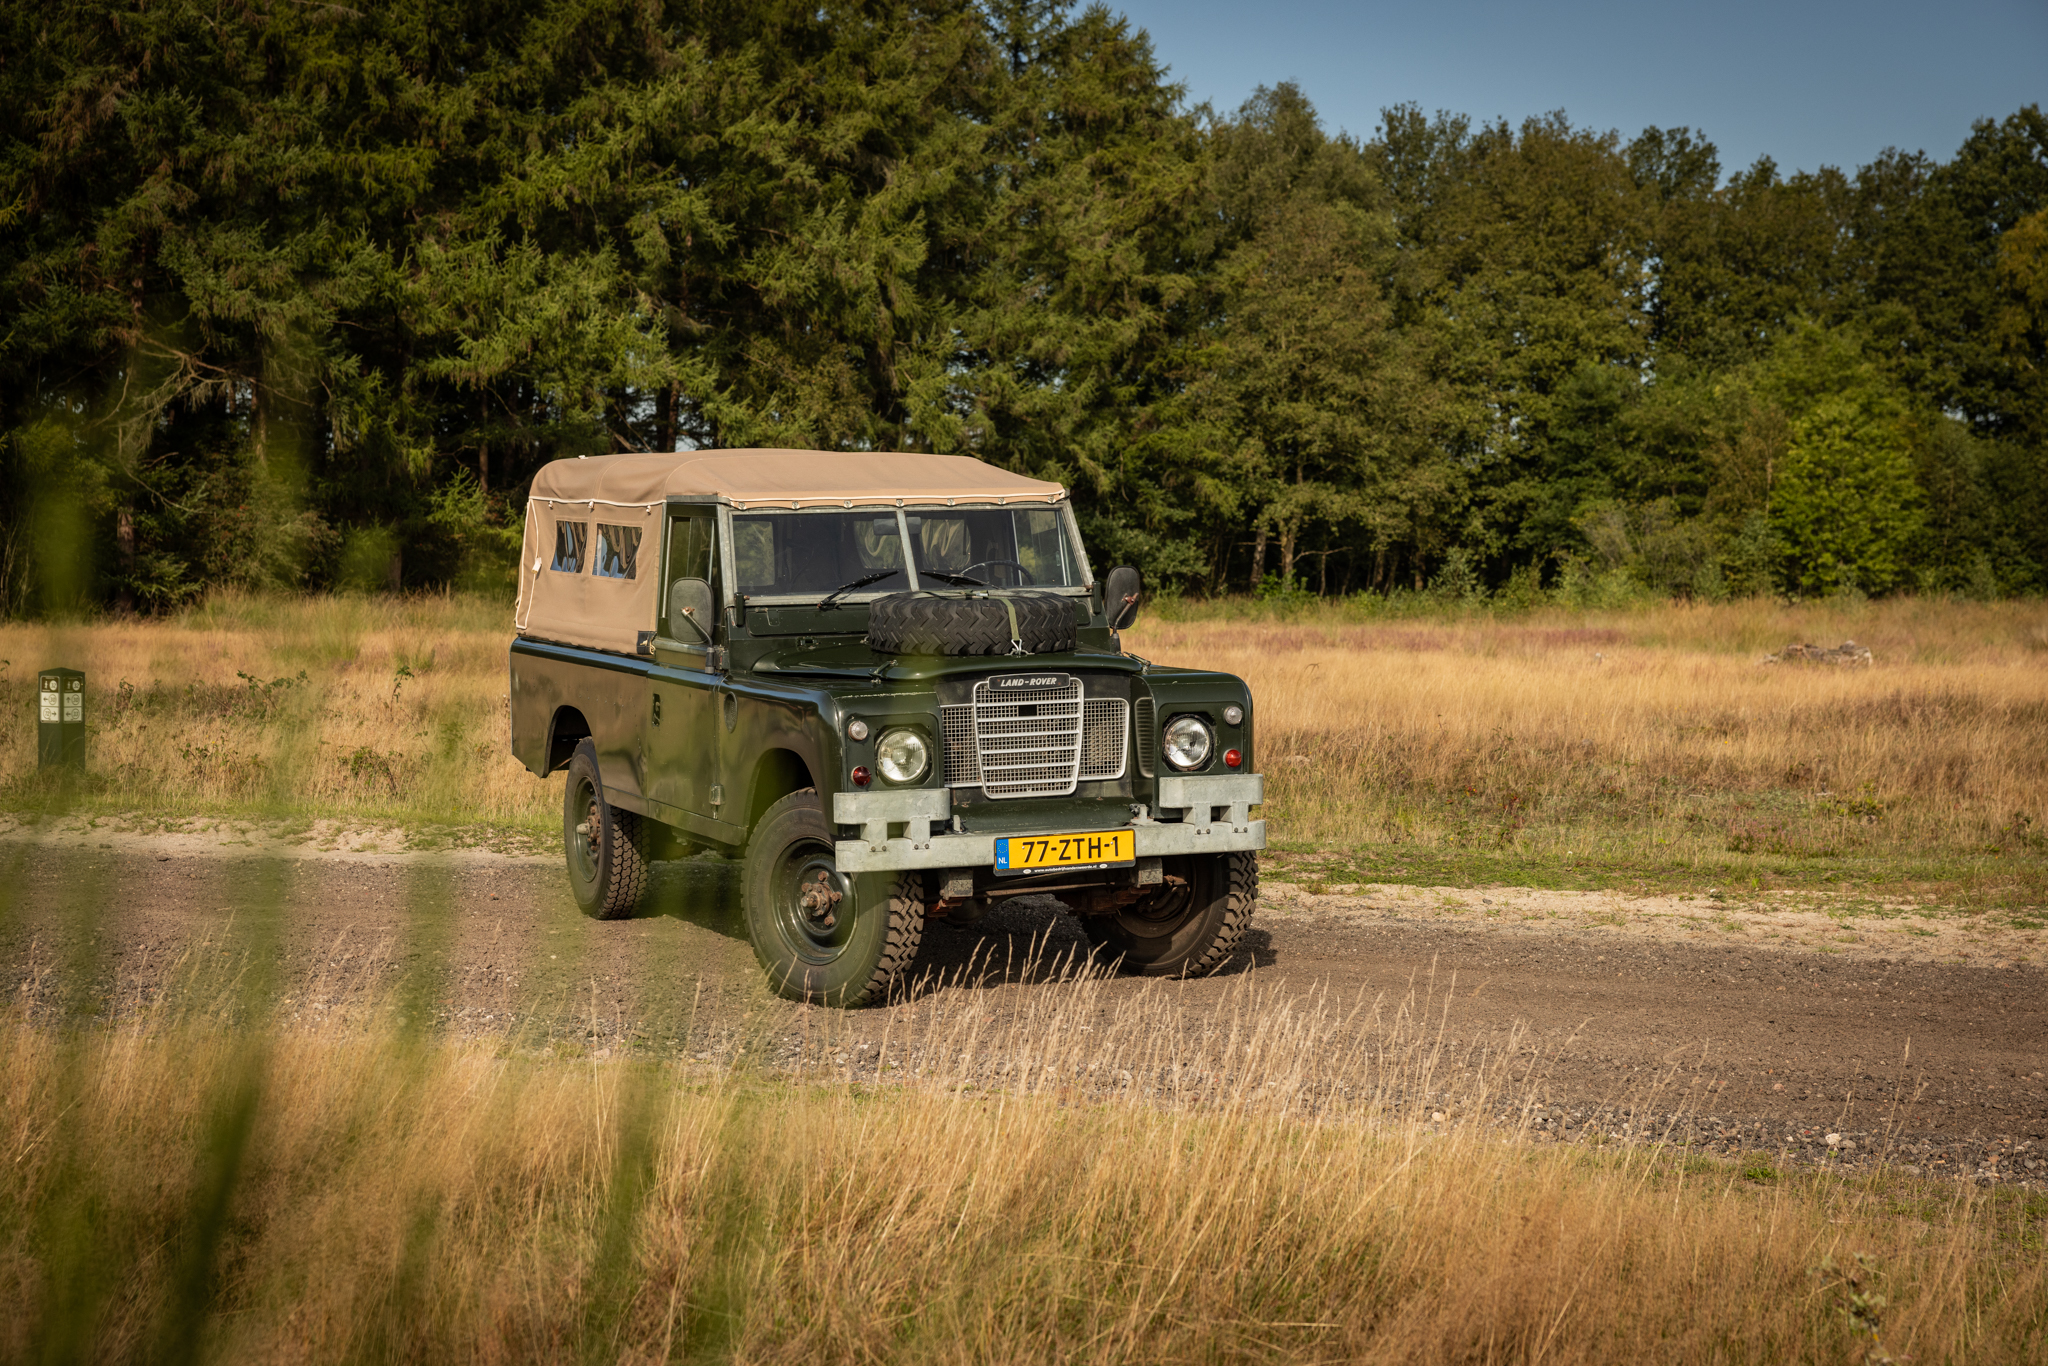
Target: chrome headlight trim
903,755
1188,743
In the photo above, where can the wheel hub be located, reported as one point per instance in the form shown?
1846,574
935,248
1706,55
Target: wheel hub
820,899
811,893
584,837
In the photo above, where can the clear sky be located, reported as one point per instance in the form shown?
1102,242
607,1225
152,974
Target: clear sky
1806,82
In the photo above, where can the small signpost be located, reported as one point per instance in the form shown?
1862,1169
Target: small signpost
60,719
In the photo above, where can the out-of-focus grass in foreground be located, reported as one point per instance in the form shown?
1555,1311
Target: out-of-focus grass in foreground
356,1191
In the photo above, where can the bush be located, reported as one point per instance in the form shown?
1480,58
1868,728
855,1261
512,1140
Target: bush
1847,506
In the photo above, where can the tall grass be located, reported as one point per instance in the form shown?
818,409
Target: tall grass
1659,733
389,709
1081,1175
1653,735
1077,1183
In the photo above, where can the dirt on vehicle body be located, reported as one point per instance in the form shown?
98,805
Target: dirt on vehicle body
893,685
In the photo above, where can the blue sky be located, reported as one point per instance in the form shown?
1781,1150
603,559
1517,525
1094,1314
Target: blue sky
1807,82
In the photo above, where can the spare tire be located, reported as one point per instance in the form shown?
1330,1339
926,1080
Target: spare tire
954,624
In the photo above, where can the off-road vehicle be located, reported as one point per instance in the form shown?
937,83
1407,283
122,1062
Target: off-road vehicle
892,684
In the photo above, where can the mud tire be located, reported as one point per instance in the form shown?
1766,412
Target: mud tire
878,923
948,624
607,857
1183,931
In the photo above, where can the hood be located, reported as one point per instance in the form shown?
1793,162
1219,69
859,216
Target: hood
855,661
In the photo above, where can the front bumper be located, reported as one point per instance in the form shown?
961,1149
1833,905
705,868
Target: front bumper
1213,810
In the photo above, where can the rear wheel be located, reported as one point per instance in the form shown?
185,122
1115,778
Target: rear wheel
606,847
1190,926
835,938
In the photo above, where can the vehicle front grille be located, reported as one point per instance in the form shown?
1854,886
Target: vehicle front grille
1038,742
1148,735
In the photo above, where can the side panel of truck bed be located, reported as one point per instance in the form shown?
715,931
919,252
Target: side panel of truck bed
561,690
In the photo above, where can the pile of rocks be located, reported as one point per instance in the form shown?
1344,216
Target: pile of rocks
1848,652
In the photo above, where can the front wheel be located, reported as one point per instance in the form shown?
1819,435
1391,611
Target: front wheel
1191,925
835,938
606,847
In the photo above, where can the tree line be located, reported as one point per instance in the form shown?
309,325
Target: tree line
302,294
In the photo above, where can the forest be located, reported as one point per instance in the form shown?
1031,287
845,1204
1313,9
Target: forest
300,296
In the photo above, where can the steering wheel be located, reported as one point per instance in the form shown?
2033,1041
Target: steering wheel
1028,580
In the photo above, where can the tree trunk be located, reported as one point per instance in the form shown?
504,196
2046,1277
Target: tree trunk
259,426
1287,533
665,418
394,572
1258,556
124,547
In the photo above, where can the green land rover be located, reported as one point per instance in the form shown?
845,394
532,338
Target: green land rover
892,684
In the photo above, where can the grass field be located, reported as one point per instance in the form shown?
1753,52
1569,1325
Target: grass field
202,1178
1647,748
179,1189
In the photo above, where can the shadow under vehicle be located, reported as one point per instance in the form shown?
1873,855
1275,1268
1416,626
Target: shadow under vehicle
891,684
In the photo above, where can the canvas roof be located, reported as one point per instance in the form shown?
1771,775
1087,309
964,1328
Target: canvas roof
784,478
621,497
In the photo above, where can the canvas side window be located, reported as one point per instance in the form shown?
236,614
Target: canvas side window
618,549
570,538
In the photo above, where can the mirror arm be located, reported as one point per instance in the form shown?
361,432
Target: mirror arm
690,615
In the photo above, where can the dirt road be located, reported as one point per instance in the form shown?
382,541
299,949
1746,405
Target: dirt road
1762,1045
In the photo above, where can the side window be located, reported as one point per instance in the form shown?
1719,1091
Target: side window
618,547
692,554
570,538
1041,549
753,545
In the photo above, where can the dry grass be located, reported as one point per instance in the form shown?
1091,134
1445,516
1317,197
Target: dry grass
1654,734
1080,1184
1651,739
375,708
1090,1179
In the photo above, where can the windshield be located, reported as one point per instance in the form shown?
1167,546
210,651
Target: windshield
811,554
998,547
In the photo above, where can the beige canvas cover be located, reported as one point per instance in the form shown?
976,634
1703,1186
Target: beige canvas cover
629,490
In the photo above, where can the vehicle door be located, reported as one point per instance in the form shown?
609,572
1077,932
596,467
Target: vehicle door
682,745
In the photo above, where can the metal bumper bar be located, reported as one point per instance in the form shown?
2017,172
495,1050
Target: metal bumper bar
1213,814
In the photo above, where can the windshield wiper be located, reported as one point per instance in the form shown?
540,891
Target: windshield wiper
964,580
832,598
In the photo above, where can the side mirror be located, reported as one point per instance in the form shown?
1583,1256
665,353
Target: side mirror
689,600
1120,596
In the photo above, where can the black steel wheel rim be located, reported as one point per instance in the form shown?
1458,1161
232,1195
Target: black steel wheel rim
583,837
799,873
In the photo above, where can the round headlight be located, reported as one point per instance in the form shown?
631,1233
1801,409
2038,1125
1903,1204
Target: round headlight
902,755
1188,742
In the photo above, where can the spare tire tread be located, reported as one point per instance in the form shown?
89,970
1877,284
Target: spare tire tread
946,624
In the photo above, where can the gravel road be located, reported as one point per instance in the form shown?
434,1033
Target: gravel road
1753,1047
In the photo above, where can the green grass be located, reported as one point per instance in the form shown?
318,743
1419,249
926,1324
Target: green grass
1965,885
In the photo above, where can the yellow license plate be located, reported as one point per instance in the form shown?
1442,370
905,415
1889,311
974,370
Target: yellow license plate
1097,849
